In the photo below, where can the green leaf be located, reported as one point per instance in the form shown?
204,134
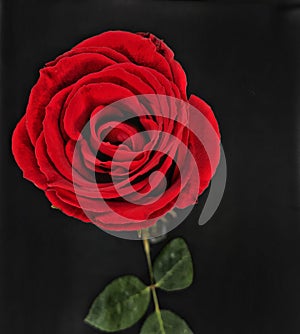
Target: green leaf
173,268
120,305
172,324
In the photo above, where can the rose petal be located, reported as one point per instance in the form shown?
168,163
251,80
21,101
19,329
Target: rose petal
24,155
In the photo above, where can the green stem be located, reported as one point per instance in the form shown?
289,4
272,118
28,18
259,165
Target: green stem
152,286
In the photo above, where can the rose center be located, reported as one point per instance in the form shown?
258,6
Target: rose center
116,136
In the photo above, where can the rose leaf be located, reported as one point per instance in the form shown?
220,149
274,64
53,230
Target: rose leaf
173,268
172,324
120,305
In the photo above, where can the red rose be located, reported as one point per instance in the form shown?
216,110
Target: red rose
80,84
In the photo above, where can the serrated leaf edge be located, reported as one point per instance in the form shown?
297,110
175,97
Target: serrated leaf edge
157,284
86,319
164,325
168,273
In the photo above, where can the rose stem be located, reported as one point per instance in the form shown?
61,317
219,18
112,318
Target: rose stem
152,286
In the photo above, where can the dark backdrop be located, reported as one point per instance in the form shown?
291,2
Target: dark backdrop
242,59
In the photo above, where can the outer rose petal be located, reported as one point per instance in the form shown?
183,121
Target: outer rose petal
52,80
23,152
107,52
206,110
66,208
144,49
206,166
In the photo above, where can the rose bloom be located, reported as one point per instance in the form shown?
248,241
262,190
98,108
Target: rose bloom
81,83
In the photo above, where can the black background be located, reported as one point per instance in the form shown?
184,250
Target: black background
242,59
